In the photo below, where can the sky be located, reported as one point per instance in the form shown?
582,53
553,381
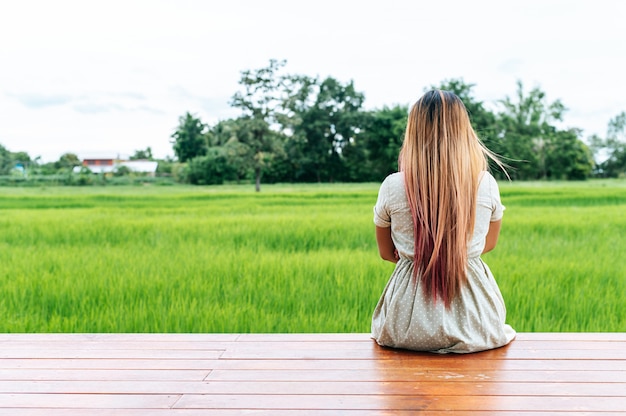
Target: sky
107,78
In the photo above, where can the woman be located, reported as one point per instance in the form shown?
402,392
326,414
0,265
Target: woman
434,219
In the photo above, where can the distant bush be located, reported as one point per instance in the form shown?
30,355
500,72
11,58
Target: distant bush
211,169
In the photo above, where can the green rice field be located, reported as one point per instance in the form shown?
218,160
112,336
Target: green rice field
298,258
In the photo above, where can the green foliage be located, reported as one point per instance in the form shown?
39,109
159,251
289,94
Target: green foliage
260,102
301,129
326,118
297,128
67,162
122,171
567,157
383,134
5,161
142,154
532,146
294,259
614,147
9,161
83,178
211,169
189,138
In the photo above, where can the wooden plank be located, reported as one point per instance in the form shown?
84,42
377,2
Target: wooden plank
207,345
564,345
378,353
77,353
91,374
416,388
317,374
125,345
302,402
524,336
359,388
304,337
282,412
204,344
118,345
400,375
108,364
88,401
356,337
421,363
165,387
577,336
328,352
539,345
118,337
400,402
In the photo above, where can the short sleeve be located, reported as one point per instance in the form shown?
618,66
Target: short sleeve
497,209
382,218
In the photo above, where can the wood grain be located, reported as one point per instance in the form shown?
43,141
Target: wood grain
306,374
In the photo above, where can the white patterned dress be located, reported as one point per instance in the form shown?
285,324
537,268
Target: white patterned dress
406,318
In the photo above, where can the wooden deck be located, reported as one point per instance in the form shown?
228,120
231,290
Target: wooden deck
305,374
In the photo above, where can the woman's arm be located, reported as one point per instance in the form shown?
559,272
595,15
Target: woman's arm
492,235
386,248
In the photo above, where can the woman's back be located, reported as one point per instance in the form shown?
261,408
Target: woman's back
434,219
392,198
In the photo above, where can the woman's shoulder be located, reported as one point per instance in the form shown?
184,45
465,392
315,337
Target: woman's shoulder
394,179
392,188
393,183
489,195
486,180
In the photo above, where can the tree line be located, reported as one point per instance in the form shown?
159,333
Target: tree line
298,128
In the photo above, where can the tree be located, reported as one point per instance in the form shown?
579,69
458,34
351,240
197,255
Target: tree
382,136
21,157
261,102
613,148
142,154
67,161
12,160
189,138
6,162
326,117
534,146
210,169
231,136
525,130
122,171
567,157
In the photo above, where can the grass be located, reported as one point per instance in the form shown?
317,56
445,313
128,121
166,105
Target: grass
560,259
296,258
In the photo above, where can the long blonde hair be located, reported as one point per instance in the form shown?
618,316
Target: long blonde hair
442,160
